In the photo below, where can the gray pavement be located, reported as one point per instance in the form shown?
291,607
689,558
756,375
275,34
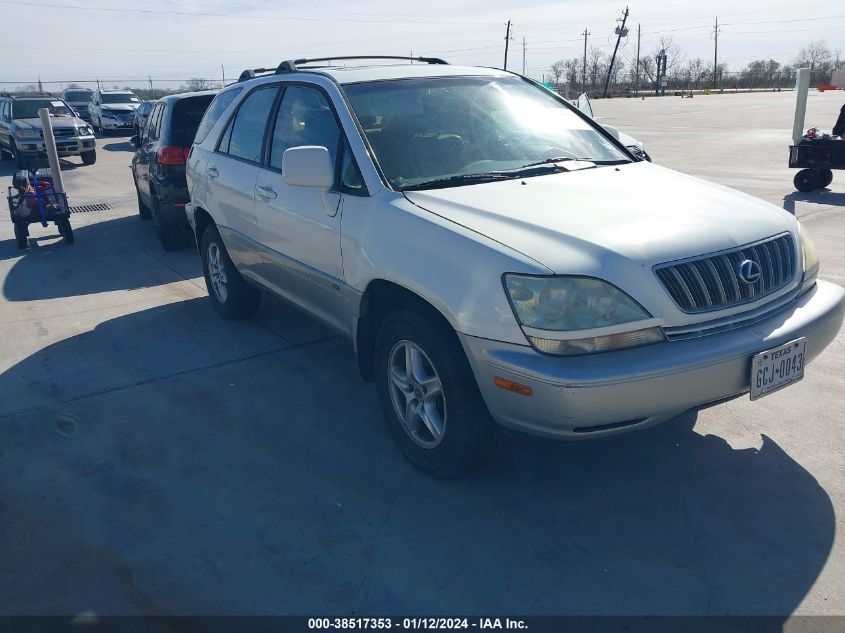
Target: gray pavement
155,459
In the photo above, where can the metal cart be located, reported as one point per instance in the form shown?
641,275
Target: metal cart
816,158
32,198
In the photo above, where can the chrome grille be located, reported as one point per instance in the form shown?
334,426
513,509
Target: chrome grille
713,282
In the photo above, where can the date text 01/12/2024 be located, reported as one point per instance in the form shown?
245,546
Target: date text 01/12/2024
415,623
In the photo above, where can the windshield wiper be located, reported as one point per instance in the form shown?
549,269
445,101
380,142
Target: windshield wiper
458,180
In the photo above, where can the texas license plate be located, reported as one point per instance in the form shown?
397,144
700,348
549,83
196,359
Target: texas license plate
777,368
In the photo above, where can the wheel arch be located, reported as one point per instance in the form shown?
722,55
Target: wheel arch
381,298
202,219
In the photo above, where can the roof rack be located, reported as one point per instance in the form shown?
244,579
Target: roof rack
252,73
292,65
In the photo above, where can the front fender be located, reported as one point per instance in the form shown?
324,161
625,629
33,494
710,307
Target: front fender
455,269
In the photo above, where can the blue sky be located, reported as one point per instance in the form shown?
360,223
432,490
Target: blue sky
119,40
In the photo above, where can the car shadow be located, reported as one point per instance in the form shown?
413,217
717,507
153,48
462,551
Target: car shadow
821,196
165,462
115,254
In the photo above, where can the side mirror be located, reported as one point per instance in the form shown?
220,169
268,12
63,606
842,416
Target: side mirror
135,141
308,166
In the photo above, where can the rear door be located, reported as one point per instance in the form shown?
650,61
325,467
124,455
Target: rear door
232,171
145,154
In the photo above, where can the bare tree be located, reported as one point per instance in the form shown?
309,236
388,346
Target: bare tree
557,71
674,53
195,84
817,56
595,65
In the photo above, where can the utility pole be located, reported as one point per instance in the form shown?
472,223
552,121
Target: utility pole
716,53
523,55
40,87
657,76
507,41
621,32
151,85
637,81
223,71
584,71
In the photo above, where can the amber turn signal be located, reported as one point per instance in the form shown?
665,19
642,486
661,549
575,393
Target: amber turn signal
515,387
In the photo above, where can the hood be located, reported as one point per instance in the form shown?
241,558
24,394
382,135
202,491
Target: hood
592,221
58,122
120,107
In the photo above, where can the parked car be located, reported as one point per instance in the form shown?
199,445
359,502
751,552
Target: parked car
78,99
22,137
633,145
496,257
158,166
141,115
113,110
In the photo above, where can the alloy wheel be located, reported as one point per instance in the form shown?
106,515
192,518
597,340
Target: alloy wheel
417,394
217,272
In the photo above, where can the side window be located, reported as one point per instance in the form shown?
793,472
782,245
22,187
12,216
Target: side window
215,110
304,118
245,135
151,130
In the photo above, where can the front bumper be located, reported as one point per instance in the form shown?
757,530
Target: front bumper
603,394
65,145
117,124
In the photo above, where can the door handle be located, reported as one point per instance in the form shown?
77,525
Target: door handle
212,172
266,193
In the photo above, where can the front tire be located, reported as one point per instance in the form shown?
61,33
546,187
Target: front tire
429,397
5,154
89,157
806,180
65,230
230,294
20,159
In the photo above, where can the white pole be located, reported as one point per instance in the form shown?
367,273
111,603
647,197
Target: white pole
52,154
802,87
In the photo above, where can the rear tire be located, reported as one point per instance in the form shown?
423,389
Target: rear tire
65,230
230,294
89,157
172,236
21,235
825,177
441,395
806,180
5,154
143,210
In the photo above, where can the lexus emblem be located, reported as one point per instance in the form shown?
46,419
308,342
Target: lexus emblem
749,271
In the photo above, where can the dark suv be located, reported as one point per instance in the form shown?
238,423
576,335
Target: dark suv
158,166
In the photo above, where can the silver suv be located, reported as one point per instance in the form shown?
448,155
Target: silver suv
113,110
22,136
496,257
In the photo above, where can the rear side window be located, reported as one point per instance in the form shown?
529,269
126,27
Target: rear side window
244,137
153,124
218,105
186,117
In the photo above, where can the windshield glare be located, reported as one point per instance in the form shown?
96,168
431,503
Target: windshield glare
120,98
436,128
28,109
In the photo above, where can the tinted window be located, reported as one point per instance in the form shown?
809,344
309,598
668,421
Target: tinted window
153,124
218,105
78,96
186,117
247,128
119,98
304,118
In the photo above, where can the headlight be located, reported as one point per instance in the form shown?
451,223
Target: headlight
811,258
26,134
578,315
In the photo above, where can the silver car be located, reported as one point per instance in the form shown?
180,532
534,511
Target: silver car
496,257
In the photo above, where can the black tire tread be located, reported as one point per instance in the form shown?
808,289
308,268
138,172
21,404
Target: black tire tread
244,300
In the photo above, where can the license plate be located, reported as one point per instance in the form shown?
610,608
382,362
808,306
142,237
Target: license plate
777,368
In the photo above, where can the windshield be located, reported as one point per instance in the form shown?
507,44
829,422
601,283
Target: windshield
78,96
120,98
28,109
443,128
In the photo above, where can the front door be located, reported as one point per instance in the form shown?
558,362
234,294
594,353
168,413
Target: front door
300,226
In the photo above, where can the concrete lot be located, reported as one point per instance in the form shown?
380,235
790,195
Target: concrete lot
155,459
